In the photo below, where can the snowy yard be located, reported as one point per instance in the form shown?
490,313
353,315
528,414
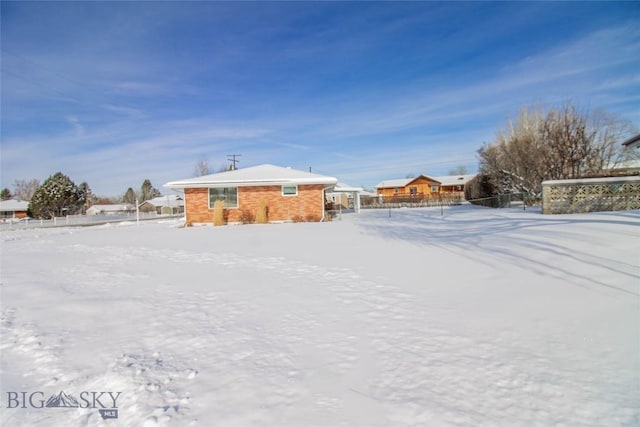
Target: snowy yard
479,317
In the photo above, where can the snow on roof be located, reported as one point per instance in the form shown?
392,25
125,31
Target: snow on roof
394,183
164,201
634,141
13,205
112,208
454,179
625,164
341,187
254,176
402,182
592,180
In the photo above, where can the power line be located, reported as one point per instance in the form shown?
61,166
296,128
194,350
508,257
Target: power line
233,160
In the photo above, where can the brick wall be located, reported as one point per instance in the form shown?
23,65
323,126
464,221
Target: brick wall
309,201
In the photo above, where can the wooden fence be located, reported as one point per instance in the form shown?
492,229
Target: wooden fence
411,200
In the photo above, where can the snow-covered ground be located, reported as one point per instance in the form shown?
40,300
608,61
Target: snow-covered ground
478,317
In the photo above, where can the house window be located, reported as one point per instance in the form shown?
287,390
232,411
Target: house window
289,190
395,190
228,194
413,190
434,188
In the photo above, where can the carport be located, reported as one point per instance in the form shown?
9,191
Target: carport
354,192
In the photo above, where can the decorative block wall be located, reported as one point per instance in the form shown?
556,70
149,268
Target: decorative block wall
590,195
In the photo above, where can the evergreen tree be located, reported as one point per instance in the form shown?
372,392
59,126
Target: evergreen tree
84,197
148,192
6,194
130,196
57,196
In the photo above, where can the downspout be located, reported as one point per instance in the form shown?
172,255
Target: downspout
323,202
184,195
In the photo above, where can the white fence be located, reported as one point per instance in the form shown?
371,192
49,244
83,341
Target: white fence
78,220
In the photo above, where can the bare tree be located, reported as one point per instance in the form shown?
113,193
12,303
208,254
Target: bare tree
561,143
224,168
607,151
24,190
201,168
458,170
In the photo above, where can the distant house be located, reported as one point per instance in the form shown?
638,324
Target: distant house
633,142
418,187
288,193
124,208
344,196
13,209
164,205
454,183
625,167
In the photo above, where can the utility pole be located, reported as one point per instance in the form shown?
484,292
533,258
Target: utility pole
233,160
309,169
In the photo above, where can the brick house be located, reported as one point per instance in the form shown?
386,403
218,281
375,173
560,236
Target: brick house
288,193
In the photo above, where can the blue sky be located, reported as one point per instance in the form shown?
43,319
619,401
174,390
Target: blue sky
112,93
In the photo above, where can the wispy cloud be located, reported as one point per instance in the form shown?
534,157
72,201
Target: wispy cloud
77,127
364,93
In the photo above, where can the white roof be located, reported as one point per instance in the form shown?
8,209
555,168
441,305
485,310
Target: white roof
626,164
634,141
13,205
454,179
254,176
606,180
164,201
112,208
341,187
394,183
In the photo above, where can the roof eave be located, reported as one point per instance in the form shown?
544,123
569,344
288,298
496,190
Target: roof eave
252,183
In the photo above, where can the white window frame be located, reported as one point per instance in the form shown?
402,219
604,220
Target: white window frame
289,186
226,205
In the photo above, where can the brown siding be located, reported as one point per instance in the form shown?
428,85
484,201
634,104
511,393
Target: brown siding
422,184
309,201
452,188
